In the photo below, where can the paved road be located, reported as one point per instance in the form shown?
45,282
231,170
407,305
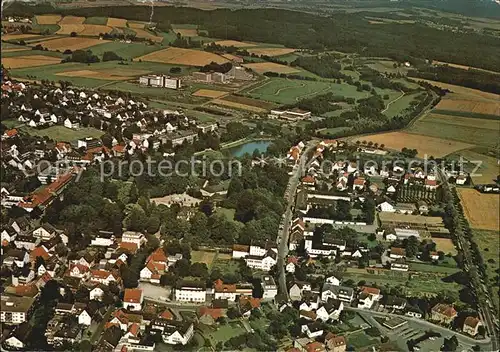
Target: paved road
486,313
291,190
422,325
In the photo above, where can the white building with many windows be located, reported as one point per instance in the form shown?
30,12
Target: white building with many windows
190,292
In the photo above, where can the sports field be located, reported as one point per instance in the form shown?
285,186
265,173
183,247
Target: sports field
432,146
208,93
462,129
262,67
29,61
249,101
180,56
480,209
286,91
71,43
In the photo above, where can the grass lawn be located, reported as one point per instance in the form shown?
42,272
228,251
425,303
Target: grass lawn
223,332
286,91
203,257
61,133
225,266
334,131
29,52
399,105
421,267
124,50
360,340
228,213
12,123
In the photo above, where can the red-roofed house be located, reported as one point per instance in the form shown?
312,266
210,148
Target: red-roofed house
39,252
431,184
209,316
129,247
443,313
153,271
335,343
132,299
103,277
9,133
471,325
78,270
308,181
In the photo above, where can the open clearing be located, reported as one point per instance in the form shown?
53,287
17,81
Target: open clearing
63,134
94,74
124,50
68,28
71,20
462,129
460,90
180,56
262,67
47,19
474,106
139,25
203,257
71,43
249,101
436,147
234,43
238,105
142,33
116,22
208,93
271,51
187,32
480,209
29,61
18,36
445,245
463,67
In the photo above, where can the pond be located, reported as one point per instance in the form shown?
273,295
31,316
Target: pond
249,148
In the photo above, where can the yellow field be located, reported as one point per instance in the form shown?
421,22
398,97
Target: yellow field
475,106
95,29
436,147
116,22
11,50
29,61
482,210
231,57
238,105
271,51
71,43
72,20
93,74
262,67
460,90
234,43
187,32
180,56
68,28
141,33
444,245
48,19
134,25
18,36
202,257
208,93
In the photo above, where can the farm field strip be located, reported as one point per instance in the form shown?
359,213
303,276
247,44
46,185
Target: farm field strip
142,33
249,101
19,36
29,61
445,245
235,43
238,105
71,20
71,43
463,121
262,67
461,90
180,56
116,22
481,210
463,67
208,93
437,147
271,51
47,19
474,106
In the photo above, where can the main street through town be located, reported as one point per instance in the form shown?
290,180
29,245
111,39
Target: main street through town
290,193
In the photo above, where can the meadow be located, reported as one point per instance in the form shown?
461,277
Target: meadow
480,209
488,170
63,134
179,56
489,245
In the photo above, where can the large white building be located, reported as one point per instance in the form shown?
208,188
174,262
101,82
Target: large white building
160,81
15,310
190,292
270,290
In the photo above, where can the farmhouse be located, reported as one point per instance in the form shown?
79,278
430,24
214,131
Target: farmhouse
443,313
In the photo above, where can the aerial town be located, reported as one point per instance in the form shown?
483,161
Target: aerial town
175,187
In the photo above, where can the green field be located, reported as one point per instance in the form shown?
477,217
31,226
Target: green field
222,333
228,213
63,134
96,20
397,107
45,28
488,170
422,267
29,52
124,50
360,340
286,91
473,133
489,244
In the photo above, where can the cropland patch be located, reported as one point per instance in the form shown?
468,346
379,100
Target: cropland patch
203,257
208,93
187,32
29,61
474,106
180,56
116,22
459,89
235,43
11,50
262,67
71,20
436,147
249,101
69,28
47,19
95,29
71,43
480,209
18,36
271,51
463,67
142,33
139,25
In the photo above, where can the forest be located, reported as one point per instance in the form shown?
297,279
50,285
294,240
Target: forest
341,32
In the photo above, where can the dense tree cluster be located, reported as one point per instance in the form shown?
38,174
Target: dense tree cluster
327,66
82,56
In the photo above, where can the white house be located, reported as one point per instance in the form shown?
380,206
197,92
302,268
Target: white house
330,311
194,293
133,237
132,299
84,318
312,330
386,207
328,291
178,333
332,280
96,293
45,232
